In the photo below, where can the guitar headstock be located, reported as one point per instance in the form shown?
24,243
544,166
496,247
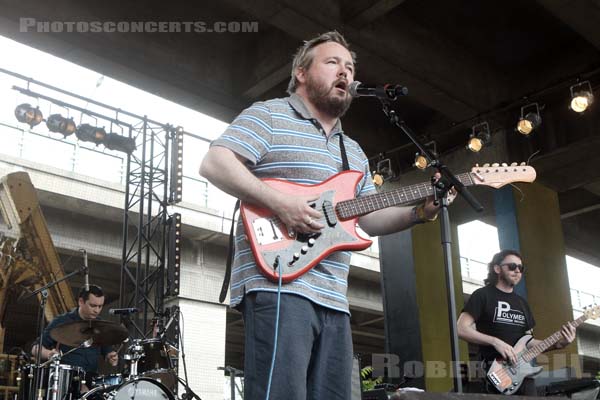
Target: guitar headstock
592,312
497,175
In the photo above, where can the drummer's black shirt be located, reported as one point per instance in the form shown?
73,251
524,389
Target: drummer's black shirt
84,358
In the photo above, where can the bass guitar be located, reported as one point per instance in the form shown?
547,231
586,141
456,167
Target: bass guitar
508,378
279,251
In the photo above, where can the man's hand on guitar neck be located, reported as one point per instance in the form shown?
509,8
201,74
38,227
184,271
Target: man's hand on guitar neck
432,210
568,332
568,336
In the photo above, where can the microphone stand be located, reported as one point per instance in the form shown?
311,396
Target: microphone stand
440,190
37,383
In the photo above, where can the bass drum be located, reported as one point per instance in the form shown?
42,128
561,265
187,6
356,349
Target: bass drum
142,389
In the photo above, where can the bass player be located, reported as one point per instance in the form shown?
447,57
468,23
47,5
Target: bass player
495,317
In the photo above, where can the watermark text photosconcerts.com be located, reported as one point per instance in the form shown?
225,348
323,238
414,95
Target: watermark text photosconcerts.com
34,25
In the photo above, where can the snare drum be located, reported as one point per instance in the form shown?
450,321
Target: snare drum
155,363
68,386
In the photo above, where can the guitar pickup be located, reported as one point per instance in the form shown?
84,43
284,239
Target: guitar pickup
329,213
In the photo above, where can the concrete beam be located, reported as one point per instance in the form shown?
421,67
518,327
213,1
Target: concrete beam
581,15
374,12
383,60
268,82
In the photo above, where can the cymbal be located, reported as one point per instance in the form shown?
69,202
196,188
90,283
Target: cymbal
103,333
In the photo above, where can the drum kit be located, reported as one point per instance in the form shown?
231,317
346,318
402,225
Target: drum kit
148,372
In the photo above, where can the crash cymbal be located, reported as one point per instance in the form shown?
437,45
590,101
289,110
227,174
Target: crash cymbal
103,333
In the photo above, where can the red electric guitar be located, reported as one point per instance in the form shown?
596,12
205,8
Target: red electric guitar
278,251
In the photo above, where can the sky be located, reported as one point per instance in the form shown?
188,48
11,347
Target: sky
477,240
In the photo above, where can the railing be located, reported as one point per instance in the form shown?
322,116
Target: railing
473,269
85,159
581,299
62,154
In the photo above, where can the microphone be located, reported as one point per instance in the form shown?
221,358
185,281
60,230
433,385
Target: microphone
122,311
386,91
86,271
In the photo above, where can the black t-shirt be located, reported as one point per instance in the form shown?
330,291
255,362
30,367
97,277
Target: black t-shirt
503,315
84,358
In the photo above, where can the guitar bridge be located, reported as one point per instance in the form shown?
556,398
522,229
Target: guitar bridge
492,376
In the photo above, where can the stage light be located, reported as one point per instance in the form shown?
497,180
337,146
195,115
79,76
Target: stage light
384,167
26,114
421,161
530,121
176,181
89,133
581,96
58,123
118,142
377,179
174,255
479,138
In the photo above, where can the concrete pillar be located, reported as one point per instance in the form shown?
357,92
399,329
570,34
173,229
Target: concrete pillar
432,298
204,345
416,306
204,319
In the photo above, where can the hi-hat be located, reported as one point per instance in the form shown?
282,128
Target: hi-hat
103,333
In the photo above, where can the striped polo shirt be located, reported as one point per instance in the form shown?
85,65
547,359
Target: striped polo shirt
280,138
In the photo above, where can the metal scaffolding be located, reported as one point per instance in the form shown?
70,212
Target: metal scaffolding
153,182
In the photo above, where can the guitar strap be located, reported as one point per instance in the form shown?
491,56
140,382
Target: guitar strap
345,165
227,277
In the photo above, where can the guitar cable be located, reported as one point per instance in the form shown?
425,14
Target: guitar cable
276,266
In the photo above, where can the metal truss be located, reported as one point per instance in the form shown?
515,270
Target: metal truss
149,189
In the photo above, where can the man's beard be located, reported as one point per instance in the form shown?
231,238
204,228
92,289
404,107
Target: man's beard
506,278
320,95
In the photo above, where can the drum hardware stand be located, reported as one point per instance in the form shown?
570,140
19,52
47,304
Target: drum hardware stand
188,393
233,372
135,354
43,291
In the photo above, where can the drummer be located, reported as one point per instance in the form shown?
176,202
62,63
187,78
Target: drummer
90,304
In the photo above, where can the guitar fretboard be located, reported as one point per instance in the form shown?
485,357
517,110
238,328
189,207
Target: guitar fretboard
365,204
550,341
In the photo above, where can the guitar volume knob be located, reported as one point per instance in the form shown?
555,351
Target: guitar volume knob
311,242
295,258
304,249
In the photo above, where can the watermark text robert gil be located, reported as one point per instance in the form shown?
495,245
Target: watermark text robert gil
33,25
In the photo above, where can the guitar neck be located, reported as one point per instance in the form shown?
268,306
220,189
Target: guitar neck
365,204
550,341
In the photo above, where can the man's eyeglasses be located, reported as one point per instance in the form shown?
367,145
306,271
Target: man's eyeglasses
514,266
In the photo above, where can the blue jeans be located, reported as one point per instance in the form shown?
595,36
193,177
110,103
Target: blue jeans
314,350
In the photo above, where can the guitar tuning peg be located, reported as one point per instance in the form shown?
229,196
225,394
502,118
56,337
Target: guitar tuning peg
514,164
523,163
495,164
504,164
486,165
476,165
